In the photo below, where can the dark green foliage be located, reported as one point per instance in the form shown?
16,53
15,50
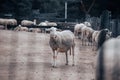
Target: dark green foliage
24,8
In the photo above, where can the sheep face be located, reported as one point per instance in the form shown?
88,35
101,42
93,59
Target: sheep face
87,24
53,36
108,34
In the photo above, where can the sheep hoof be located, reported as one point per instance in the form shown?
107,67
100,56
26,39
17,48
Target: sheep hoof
73,64
54,66
66,64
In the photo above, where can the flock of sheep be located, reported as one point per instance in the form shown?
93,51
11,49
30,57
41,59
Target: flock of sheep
62,41
4,23
108,48
89,35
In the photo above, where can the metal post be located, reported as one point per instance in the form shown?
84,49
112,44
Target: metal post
65,11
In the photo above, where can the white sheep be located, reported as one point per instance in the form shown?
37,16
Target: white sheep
28,23
35,30
77,29
87,24
11,22
6,22
108,61
61,42
86,35
95,38
118,37
42,24
51,24
47,23
99,37
2,27
21,28
47,30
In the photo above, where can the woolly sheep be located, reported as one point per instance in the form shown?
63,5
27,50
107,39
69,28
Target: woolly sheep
61,42
108,61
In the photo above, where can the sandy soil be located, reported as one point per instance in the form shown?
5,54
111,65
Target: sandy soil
28,56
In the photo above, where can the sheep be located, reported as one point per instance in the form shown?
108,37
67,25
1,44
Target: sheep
20,28
47,30
2,21
2,27
118,37
86,35
77,29
6,22
108,61
30,30
12,22
99,37
47,23
87,24
89,32
28,23
35,30
61,42
104,35
42,24
95,38
51,24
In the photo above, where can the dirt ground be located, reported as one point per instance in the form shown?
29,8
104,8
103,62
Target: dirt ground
28,56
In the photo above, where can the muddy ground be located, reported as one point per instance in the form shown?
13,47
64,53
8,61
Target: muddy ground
28,56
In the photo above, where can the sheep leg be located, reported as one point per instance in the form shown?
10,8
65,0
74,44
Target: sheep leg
88,42
66,58
94,45
73,55
85,41
70,51
75,33
91,43
82,42
82,38
54,58
79,35
5,26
